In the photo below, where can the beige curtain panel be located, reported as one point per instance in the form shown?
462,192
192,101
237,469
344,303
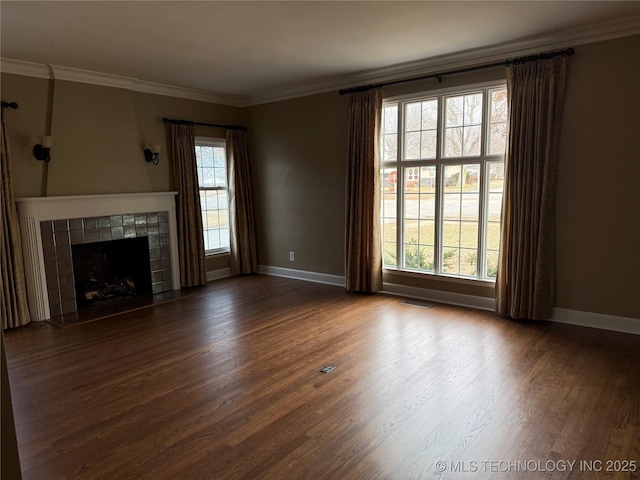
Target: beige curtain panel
13,298
242,231
188,213
363,248
525,280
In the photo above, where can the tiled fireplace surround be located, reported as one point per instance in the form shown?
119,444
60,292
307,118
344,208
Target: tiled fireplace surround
51,225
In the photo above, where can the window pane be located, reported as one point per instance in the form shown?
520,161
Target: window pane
453,142
428,179
421,122
473,109
452,178
413,117
412,146
497,138
450,259
496,176
498,122
454,109
468,262
428,144
471,182
469,234
390,119
495,180
463,111
388,208
430,114
389,148
471,142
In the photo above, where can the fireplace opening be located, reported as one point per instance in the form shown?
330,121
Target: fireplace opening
110,271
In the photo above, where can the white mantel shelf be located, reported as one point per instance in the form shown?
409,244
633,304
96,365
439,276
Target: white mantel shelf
78,206
33,210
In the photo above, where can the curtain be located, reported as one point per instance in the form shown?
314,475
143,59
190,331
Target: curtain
525,279
13,294
189,216
242,229
363,249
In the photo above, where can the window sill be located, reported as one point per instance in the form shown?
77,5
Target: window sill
440,277
217,254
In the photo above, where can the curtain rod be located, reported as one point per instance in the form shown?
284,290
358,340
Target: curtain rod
13,105
516,61
189,122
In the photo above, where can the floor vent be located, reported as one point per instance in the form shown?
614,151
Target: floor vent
416,303
328,369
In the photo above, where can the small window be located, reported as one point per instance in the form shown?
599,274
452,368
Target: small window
211,158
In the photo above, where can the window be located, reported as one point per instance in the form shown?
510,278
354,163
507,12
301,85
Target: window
442,181
211,158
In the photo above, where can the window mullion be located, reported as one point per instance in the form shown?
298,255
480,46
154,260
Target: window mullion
437,263
400,188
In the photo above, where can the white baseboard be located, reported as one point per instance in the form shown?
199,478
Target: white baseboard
560,315
217,274
597,320
460,299
302,275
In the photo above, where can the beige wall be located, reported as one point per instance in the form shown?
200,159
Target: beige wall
298,157
99,135
298,149
32,118
298,152
598,203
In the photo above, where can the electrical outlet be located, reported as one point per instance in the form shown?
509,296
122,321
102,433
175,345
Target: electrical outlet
292,256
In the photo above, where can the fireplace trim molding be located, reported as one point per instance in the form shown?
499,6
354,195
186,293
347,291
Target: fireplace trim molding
33,210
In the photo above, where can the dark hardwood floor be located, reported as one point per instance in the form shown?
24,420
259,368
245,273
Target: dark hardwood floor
226,384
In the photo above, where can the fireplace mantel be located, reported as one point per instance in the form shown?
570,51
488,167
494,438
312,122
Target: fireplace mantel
32,211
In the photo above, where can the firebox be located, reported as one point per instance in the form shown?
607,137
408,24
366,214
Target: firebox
105,272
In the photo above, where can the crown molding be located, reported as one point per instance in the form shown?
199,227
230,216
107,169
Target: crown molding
58,72
607,31
94,78
189,93
468,58
28,69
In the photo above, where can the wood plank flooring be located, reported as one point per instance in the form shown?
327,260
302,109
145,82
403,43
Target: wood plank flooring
226,384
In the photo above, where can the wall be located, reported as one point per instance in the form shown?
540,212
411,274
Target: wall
298,152
598,202
99,137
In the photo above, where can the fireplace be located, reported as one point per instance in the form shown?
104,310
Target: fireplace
57,233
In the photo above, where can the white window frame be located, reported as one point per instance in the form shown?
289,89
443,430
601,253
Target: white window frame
214,142
484,160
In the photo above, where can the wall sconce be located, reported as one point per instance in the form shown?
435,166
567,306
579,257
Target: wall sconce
151,153
41,150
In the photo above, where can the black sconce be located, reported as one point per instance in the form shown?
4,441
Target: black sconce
151,154
41,150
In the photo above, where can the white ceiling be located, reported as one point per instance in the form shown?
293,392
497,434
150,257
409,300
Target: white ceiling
264,49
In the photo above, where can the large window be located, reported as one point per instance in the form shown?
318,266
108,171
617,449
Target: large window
442,180
211,159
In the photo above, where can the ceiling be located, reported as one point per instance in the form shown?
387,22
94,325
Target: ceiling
261,50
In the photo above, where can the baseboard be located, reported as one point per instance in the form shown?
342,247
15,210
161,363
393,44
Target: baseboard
451,298
596,320
560,315
302,275
217,274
